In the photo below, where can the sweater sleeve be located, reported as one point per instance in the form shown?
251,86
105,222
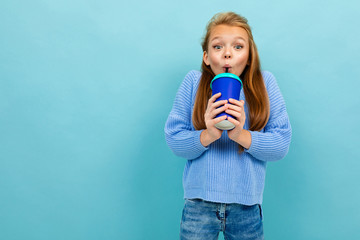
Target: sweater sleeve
180,134
273,143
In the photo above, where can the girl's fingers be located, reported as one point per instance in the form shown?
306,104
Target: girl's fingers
219,103
217,111
213,98
219,119
236,102
234,113
213,105
211,113
216,96
233,121
214,108
234,107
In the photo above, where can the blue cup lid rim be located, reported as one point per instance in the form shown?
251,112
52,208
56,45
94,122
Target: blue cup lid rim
229,75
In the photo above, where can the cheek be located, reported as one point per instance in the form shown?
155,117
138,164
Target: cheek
215,60
243,58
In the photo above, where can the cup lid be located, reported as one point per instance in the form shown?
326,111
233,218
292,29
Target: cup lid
228,75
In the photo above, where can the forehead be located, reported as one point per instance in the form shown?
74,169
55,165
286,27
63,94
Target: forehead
228,32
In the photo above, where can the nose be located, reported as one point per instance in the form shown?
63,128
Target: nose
227,53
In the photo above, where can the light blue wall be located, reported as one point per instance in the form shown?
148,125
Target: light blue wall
85,90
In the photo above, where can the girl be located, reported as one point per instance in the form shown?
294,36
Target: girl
224,174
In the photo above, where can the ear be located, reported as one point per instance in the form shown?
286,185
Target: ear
206,58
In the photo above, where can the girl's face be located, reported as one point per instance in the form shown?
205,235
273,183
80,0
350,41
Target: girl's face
228,48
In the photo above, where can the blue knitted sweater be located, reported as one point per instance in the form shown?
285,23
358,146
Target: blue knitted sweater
218,173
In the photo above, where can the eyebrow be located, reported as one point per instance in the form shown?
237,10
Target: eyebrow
235,38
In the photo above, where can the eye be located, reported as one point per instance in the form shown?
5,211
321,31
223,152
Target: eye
238,46
217,47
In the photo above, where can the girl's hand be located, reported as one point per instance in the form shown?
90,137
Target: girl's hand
236,109
211,133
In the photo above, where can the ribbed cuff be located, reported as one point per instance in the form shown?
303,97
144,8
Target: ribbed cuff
197,143
254,147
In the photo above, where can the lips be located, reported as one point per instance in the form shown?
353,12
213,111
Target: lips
227,67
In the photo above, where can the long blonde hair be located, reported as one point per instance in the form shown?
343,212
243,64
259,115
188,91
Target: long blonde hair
254,88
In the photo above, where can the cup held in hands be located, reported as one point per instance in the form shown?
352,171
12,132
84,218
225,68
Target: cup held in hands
230,86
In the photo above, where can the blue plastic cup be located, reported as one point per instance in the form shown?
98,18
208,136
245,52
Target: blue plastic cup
230,86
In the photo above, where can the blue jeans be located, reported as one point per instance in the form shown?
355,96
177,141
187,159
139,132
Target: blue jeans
204,220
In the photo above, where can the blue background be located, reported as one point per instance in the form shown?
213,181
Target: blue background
86,88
